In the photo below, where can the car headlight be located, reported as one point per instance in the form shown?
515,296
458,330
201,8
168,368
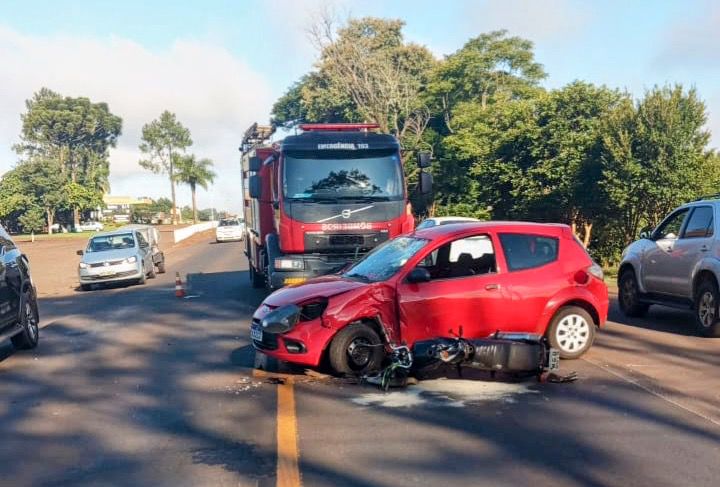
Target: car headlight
289,264
131,260
83,265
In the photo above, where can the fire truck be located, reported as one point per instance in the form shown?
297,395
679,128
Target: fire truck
320,199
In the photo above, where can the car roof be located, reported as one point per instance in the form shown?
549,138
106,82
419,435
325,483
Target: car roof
453,229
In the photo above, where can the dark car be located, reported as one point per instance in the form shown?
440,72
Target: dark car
18,299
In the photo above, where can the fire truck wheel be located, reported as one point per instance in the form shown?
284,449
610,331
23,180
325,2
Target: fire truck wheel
356,350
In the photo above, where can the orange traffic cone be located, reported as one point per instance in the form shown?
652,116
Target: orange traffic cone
179,289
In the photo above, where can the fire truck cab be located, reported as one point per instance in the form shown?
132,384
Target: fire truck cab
323,198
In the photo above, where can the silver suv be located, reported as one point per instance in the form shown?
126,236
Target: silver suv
677,264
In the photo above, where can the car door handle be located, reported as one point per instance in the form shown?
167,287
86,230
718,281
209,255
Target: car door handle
492,287
704,248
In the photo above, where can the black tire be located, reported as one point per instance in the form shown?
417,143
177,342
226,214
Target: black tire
161,266
256,279
30,321
356,350
629,295
86,287
707,299
571,332
152,274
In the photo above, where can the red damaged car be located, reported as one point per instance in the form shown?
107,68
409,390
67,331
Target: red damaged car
469,279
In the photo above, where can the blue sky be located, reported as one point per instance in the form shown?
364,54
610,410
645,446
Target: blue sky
220,64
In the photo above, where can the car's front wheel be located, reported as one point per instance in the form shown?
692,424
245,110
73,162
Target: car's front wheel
629,295
29,320
356,350
707,299
571,331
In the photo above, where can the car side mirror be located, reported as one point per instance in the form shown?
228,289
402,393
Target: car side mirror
254,163
426,183
418,275
80,252
424,159
254,186
646,232
281,319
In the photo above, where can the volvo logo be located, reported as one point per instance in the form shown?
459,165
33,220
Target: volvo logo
346,213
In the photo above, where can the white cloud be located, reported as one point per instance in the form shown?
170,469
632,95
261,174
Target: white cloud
214,93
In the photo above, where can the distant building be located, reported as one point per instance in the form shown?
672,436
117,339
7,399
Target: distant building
119,208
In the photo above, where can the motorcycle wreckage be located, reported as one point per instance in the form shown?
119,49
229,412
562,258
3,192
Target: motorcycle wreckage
516,354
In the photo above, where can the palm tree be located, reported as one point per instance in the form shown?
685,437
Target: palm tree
194,173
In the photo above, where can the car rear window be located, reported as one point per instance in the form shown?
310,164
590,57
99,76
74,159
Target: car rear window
527,251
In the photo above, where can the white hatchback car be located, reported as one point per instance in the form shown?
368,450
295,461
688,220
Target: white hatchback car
229,230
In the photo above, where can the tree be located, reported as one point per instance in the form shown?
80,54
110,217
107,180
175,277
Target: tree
486,68
77,134
33,220
655,157
194,173
161,140
366,72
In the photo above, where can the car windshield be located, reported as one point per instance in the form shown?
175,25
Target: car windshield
383,262
229,223
111,242
374,175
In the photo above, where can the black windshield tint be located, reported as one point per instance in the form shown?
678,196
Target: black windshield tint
378,176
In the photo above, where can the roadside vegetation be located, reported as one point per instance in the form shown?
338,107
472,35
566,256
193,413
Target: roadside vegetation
504,147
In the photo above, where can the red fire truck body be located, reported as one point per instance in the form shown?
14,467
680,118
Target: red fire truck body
318,200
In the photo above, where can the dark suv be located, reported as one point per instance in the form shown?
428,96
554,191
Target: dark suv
18,300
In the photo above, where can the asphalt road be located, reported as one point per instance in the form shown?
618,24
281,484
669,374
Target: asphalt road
132,386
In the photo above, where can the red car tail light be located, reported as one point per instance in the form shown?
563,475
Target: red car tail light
581,277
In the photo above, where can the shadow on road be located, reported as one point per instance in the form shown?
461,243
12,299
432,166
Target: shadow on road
133,386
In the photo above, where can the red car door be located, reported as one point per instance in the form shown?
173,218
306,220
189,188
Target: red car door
465,291
535,274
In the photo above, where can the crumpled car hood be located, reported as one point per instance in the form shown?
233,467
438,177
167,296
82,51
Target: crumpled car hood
319,287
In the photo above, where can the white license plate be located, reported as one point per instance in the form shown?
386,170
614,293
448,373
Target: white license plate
256,334
107,273
554,359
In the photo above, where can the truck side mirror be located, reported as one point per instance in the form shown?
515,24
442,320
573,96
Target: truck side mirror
426,183
80,252
255,186
419,274
255,163
424,160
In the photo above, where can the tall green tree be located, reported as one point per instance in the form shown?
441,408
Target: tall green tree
655,156
162,140
75,132
194,172
366,72
488,67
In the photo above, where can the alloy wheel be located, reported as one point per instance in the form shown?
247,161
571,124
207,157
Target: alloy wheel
706,309
30,322
572,333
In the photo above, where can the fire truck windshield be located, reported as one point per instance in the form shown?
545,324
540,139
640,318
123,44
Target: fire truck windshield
377,176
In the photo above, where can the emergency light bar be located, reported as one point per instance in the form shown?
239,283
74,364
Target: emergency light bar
338,127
